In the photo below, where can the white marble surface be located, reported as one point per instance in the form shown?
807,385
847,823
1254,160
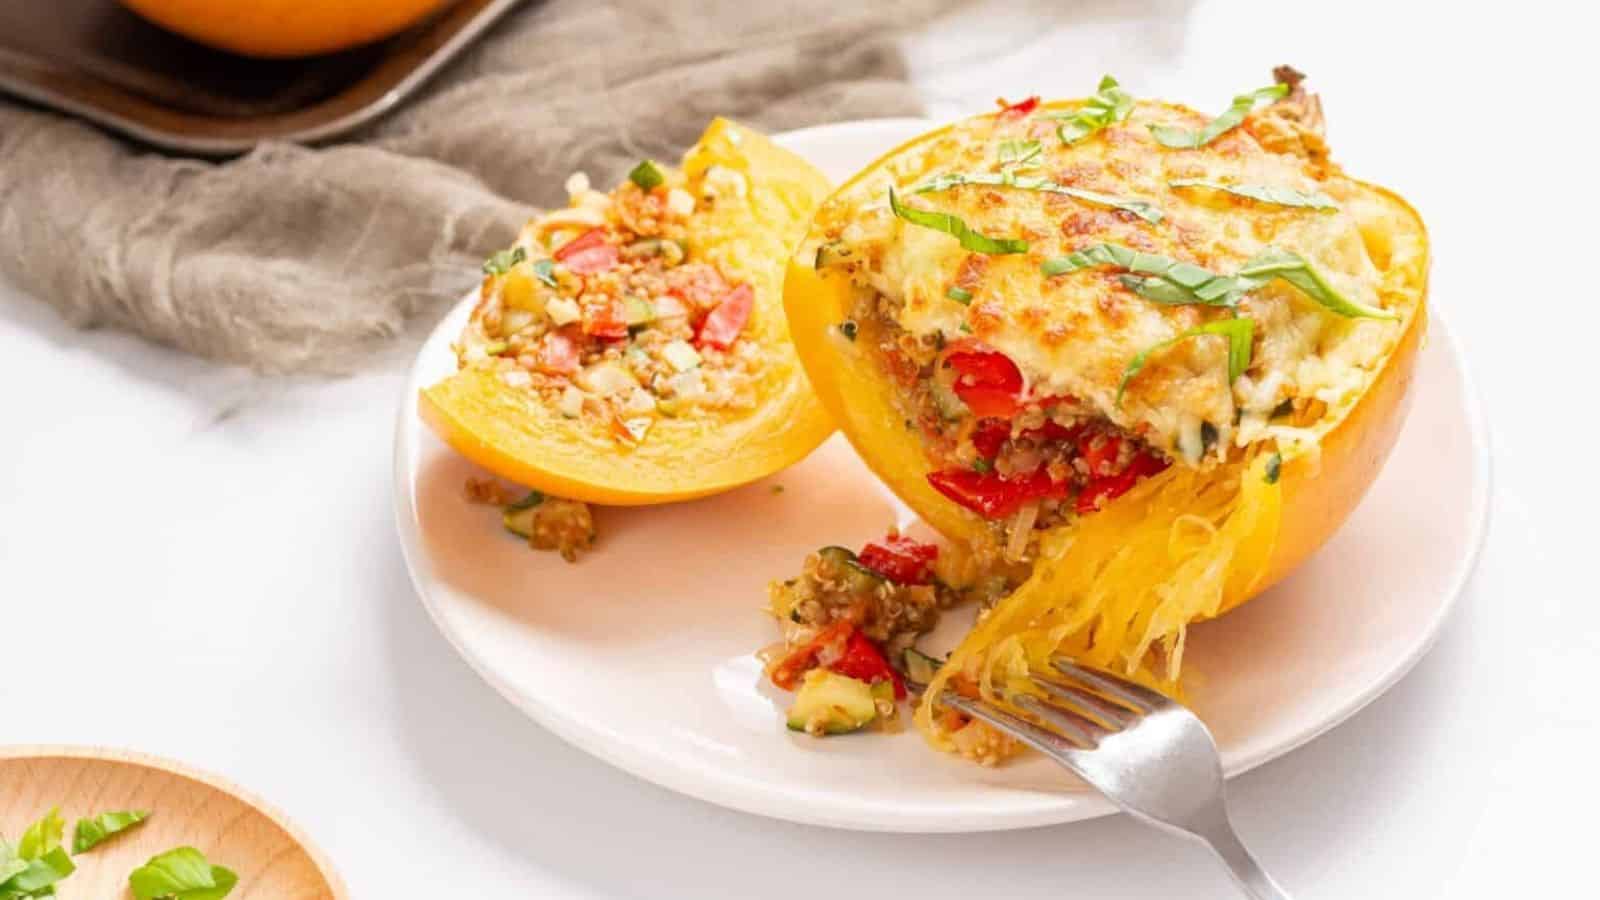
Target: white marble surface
199,564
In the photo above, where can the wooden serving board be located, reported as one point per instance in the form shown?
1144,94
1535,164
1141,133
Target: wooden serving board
272,858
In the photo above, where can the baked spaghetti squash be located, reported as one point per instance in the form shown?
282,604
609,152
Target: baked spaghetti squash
1152,355
632,348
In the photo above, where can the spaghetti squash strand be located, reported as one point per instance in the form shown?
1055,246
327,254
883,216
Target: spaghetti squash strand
1122,588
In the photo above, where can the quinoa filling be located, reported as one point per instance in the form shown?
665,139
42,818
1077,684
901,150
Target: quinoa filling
1023,461
602,311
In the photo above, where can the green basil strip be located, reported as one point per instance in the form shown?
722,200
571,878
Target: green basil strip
1239,332
959,295
646,175
1167,281
1141,208
952,225
543,270
1184,139
1109,105
90,833
1263,193
501,262
1291,267
1274,468
1017,154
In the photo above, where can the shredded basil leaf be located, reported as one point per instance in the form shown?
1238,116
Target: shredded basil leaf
959,295
1291,267
646,175
37,862
1018,154
544,270
181,874
1164,280
501,262
1274,468
1109,105
965,328
1141,208
90,833
952,225
1240,333
982,466
1168,281
1264,193
1184,139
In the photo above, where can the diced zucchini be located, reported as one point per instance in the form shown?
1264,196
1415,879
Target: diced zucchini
563,310
920,666
830,703
949,405
670,251
640,312
830,254
857,578
518,517
680,355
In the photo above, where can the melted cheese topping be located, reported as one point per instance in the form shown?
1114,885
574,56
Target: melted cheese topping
1076,333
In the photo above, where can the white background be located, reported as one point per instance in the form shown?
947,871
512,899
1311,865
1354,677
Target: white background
202,565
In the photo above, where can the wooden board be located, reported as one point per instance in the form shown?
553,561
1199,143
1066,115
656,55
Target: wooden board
272,858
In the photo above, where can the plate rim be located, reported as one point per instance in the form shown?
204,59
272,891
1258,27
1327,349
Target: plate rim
730,790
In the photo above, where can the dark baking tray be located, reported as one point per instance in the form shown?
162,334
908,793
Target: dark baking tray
94,59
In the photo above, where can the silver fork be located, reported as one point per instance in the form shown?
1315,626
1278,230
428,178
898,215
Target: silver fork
1146,753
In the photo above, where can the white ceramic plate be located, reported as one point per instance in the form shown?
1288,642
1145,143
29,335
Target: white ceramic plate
641,653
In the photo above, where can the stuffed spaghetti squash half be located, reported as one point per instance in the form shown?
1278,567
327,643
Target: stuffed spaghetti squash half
1149,356
631,349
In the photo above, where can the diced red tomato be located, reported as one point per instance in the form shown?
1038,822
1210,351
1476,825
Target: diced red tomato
786,674
1099,450
989,436
900,559
722,327
864,661
588,253
558,354
1102,490
606,319
986,381
1018,110
697,284
992,496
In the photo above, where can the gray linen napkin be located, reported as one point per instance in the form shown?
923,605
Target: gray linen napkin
296,259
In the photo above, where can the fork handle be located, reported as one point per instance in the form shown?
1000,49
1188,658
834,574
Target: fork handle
1251,878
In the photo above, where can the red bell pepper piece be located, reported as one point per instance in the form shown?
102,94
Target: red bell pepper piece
990,436
721,328
606,319
1102,490
588,253
993,497
986,381
1099,450
863,660
900,559
1018,110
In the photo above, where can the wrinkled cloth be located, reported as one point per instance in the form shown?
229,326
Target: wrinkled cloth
295,259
